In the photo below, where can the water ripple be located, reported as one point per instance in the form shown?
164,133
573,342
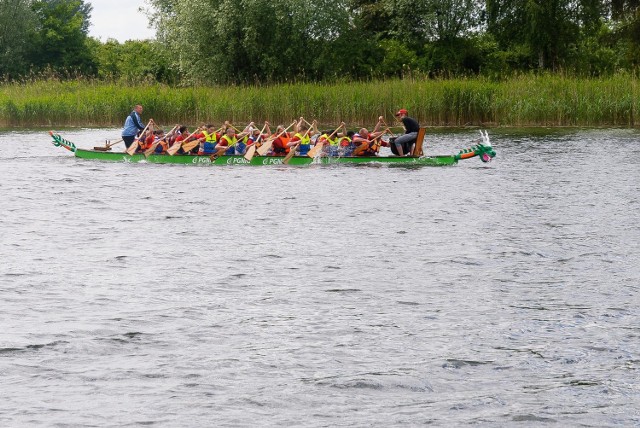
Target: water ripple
498,295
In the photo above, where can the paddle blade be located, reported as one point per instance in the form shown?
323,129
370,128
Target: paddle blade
264,149
315,150
187,147
250,152
292,153
174,149
132,149
150,150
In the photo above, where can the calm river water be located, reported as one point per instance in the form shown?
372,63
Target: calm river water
495,294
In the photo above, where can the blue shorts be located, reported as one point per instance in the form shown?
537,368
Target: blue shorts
304,149
209,148
241,148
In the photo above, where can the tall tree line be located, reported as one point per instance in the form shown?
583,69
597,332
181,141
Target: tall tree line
44,34
265,41
234,41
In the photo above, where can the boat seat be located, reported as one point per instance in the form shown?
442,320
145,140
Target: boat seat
417,151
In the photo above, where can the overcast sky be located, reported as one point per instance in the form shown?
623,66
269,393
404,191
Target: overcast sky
120,20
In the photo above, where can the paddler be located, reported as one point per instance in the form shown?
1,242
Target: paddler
279,146
243,140
302,138
366,143
158,137
165,141
228,142
183,132
146,140
256,137
209,139
331,140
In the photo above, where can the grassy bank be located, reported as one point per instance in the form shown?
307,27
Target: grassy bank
523,101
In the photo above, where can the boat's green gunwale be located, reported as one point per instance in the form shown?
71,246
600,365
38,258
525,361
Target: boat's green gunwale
262,160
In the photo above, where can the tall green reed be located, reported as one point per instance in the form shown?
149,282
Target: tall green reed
527,100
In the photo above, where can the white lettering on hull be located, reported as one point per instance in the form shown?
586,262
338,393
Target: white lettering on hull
272,161
201,160
237,161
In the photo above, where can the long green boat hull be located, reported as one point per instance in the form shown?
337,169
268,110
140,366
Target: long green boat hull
262,160
483,150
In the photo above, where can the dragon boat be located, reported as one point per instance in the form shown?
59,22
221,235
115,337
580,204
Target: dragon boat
481,149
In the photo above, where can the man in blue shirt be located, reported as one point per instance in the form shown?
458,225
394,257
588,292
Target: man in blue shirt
132,126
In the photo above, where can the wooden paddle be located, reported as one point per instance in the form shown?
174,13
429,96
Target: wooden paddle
176,146
107,145
187,147
231,125
318,147
132,149
152,149
292,150
251,151
264,149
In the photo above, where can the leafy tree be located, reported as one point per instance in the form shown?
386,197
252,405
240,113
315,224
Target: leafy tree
398,58
133,61
421,21
17,20
626,39
232,41
547,29
371,17
248,40
59,41
624,8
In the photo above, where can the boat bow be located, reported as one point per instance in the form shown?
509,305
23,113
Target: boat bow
58,141
483,150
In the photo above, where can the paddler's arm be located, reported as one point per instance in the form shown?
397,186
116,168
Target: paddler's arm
377,128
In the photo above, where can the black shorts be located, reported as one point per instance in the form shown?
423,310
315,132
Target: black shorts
128,140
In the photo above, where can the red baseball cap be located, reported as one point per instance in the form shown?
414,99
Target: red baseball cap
402,111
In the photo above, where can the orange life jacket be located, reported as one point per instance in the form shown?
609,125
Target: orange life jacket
144,145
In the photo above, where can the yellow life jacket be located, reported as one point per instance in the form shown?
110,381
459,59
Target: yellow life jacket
332,142
209,138
231,141
303,139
